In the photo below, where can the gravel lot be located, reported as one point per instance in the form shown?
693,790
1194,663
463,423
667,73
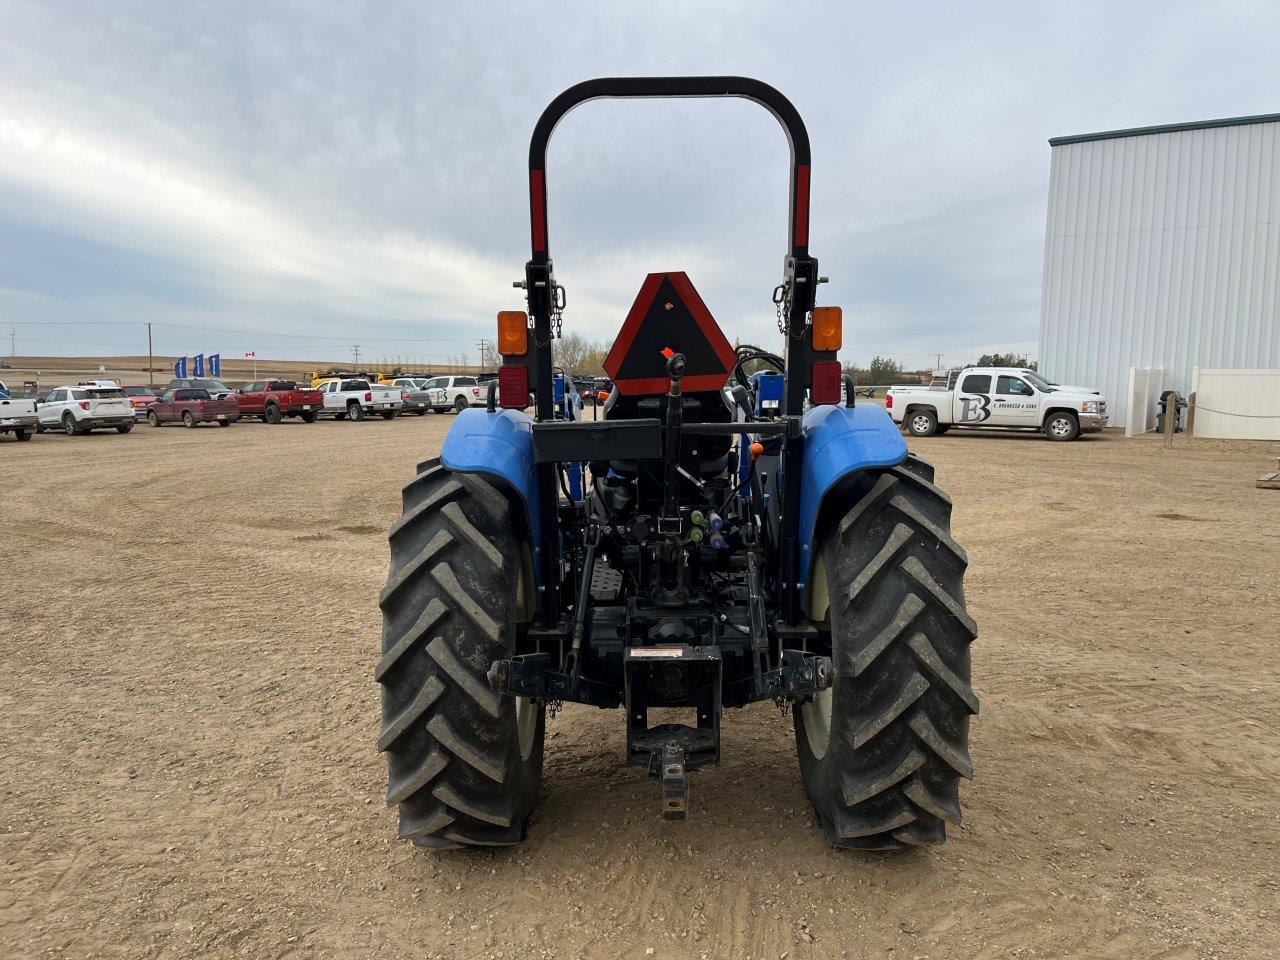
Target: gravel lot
188,717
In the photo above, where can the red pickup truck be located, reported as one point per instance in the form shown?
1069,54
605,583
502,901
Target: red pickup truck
192,406
273,400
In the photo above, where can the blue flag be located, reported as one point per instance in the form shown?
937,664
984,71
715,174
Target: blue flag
215,365
180,368
199,364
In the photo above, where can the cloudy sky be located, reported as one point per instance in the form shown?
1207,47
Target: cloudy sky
294,178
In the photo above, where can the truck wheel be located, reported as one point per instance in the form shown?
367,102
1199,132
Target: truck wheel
188,419
1061,426
464,764
922,423
421,411
439,409
70,426
22,434
388,414
271,414
883,750
124,428
39,427
152,418
308,416
460,404
355,411
224,423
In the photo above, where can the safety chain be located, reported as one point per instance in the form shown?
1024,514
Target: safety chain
782,301
559,299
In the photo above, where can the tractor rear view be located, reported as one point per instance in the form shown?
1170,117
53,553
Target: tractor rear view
710,538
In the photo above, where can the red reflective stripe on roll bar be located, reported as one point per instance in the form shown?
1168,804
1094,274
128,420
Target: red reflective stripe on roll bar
538,208
802,206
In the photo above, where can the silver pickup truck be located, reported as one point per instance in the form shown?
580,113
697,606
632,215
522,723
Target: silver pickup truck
17,414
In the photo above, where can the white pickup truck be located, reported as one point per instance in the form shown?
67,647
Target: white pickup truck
454,393
17,414
1007,397
352,399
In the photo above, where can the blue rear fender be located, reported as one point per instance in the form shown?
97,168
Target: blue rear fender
839,442
499,446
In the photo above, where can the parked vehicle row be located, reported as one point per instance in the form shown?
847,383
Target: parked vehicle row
101,404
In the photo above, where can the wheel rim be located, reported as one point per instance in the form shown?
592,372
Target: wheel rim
68,423
1060,427
920,424
817,722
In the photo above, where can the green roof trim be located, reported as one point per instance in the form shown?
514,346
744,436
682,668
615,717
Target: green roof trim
1165,128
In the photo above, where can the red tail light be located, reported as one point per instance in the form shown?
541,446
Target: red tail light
888,401
513,387
475,392
824,386
368,396
84,404
404,396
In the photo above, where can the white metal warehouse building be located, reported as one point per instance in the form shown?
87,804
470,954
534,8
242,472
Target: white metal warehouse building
1162,250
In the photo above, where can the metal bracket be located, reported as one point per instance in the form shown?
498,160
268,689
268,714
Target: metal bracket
675,789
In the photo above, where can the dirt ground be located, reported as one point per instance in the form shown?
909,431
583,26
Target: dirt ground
188,717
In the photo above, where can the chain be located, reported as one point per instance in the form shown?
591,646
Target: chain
782,301
558,302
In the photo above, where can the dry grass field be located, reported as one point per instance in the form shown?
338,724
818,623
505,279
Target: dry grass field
188,717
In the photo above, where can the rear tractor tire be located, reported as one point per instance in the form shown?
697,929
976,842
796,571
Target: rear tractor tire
882,752
464,764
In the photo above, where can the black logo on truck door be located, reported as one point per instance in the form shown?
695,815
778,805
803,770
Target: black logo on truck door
974,409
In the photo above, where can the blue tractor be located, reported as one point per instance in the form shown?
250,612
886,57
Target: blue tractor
726,527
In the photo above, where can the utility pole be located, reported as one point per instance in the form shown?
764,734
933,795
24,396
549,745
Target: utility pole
151,359
13,340
483,347
355,356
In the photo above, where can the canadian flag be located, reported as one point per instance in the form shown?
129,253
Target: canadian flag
251,353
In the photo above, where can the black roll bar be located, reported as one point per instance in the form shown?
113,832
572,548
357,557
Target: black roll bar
648,87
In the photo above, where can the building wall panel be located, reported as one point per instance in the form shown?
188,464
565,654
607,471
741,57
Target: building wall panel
1162,250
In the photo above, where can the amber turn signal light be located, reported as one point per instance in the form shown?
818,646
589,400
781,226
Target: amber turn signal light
828,328
513,333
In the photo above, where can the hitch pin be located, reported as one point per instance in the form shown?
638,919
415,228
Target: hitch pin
690,477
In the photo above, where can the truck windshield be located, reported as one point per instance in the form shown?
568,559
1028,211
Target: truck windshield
1037,381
